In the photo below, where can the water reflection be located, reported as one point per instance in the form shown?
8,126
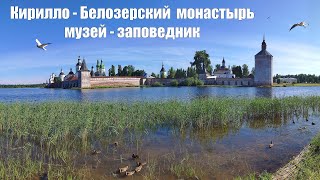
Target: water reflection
264,92
234,151
150,94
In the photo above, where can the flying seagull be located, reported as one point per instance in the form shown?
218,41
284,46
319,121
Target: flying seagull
303,24
42,46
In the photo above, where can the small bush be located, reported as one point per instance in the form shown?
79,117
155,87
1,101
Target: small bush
187,82
192,82
156,84
174,83
198,82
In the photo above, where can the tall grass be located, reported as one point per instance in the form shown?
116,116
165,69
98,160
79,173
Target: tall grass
309,168
49,136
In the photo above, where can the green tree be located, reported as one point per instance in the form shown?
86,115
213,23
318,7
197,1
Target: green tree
253,71
174,83
210,69
162,76
138,73
112,71
119,70
180,73
245,70
201,57
153,74
191,72
125,71
218,66
172,73
237,71
56,80
131,69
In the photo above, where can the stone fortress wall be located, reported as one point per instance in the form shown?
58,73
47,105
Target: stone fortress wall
115,81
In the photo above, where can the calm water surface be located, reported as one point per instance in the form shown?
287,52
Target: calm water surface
149,94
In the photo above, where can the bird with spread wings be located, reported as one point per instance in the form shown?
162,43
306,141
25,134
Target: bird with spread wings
302,24
42,46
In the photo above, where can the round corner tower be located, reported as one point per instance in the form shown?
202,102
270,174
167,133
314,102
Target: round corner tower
263,67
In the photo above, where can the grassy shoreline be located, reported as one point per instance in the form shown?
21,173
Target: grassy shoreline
23,86
309,167
296,85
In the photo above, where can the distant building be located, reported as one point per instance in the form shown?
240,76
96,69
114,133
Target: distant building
287,80
163,72
78,65
100,69
263,67
52,77
223,71
62,75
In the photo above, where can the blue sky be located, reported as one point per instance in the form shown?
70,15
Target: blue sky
294,52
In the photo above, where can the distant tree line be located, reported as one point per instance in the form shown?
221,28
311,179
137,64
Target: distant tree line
23,86
179,73
128,70
301,78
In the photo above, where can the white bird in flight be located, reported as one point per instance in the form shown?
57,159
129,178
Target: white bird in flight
302,24
42,46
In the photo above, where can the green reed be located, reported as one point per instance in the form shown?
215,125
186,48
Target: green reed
48,136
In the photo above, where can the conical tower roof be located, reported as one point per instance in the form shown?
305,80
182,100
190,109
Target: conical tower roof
263,51
84,66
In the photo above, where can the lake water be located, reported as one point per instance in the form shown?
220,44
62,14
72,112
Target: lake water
148,94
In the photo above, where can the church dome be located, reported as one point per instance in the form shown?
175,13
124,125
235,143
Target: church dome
162,69
71,72
79,62
61,72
